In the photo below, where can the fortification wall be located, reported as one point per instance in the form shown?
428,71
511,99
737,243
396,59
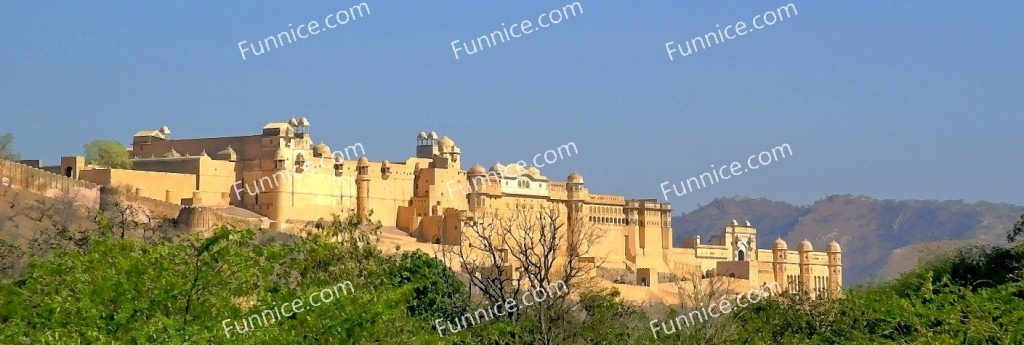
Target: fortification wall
147,209
207,218
27,178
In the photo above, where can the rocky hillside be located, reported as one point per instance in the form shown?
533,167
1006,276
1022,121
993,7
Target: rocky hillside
871,231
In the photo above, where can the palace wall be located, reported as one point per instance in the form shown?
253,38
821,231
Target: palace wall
167,187
45,183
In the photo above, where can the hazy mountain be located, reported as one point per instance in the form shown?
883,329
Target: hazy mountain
869,230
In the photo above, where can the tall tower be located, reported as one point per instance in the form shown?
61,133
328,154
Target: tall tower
666,226
806,274
780,257
477,180
575,193
835,269
276,199
362,187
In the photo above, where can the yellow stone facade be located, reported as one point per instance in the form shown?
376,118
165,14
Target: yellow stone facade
282,175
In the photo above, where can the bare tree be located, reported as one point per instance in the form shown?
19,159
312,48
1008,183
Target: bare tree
161,230
697,292
120,215
57,218
505,252
482,257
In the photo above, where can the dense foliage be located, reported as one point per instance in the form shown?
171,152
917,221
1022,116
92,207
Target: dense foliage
125,291
107,153
974,297
113,290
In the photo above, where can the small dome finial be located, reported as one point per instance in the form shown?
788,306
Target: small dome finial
779,244
575,177
477,169
805,246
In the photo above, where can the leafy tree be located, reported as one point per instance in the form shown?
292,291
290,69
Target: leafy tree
437,291
7,147
108,153
1017,231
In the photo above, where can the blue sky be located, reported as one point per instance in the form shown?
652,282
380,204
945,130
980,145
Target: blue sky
910,99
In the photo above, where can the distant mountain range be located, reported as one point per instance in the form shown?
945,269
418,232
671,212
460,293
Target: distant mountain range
880,238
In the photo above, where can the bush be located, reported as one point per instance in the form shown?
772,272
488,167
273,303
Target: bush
122,291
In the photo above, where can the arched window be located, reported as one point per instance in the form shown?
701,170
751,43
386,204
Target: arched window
741,251
524,183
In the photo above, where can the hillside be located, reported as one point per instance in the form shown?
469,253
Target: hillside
906,258
23,215
870,230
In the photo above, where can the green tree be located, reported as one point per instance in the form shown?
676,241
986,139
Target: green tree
437,291
108,153
7,147
1017,230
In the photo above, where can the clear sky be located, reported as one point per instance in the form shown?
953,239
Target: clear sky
908,99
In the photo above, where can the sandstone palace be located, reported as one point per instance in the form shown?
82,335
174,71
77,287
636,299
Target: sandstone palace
281,179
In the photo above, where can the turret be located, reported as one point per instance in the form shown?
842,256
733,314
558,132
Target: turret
574,185
806,274
362,187
385,169
321,150
476,178
339,164
574,190
449,152
780,257
835,269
